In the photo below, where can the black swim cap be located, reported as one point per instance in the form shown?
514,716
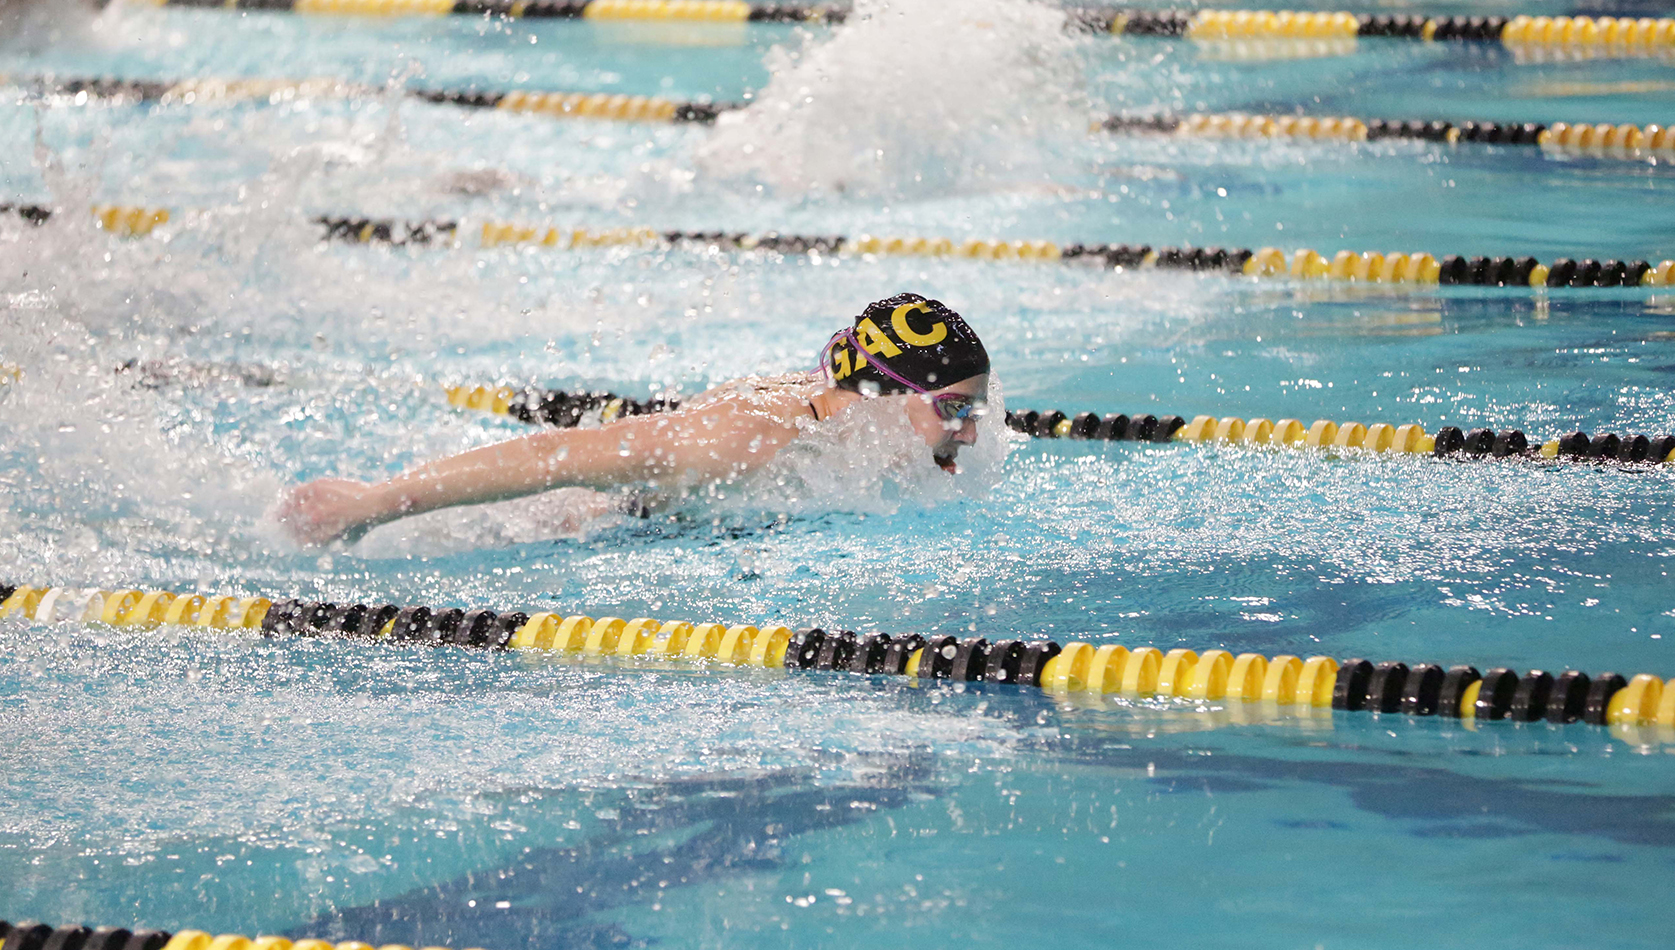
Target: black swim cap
904,343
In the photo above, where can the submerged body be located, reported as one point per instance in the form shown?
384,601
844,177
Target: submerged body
717,437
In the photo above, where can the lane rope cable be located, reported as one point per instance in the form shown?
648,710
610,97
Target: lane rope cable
557,407
1364,266
1069,669
691,11
1593,36
31,935
1304,264
1623,141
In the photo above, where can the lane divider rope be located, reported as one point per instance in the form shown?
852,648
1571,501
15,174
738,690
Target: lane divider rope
1398,267
1380,437
1612,36
560,408
121,220
564,409
31,935
1622,141
554,407
1599,36
1068,669
1306,264
1596,36
558,105
692,11
1365,266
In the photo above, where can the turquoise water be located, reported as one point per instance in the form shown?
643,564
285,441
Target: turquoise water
171,778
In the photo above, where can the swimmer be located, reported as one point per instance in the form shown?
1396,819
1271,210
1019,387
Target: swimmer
912,351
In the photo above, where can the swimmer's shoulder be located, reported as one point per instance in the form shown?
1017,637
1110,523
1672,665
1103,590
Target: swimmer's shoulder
785,396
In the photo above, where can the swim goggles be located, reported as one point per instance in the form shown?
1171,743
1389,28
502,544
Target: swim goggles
949,407
957,407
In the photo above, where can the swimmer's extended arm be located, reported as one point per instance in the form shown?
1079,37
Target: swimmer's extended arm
711,443
717,441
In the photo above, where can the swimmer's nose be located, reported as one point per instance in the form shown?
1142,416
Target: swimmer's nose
967,434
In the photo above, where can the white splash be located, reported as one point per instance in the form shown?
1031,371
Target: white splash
911,97
89,468
38,24
563,513
869,460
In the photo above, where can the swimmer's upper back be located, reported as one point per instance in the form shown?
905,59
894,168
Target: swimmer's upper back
785,395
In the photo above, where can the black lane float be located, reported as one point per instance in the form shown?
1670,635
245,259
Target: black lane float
565,409
1073,668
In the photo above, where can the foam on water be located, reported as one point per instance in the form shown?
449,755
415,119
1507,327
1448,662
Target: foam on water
33,25
911,97
871,461
95,471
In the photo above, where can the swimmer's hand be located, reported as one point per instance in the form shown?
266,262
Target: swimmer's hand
327,509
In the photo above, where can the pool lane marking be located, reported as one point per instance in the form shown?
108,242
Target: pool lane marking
689,11
580,105
29,935
1377,438
564,409
1580,35
1075,669
1623,141
1304,264
568,409
120,220
1529,38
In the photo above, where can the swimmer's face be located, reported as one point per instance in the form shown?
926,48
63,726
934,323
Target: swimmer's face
945,436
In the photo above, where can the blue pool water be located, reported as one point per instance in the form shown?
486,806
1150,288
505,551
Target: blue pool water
175,779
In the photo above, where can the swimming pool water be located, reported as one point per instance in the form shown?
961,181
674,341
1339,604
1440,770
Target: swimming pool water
404,795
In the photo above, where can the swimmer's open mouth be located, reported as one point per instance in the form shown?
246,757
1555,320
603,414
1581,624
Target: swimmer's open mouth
947,463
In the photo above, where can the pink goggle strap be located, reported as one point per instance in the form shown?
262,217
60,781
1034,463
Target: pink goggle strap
849,336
